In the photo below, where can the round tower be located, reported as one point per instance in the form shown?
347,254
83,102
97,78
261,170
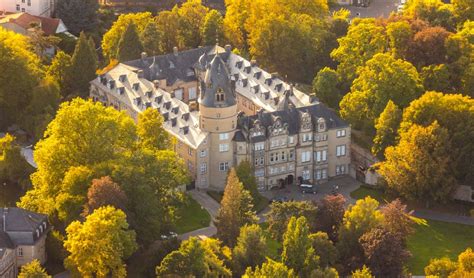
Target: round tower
218,116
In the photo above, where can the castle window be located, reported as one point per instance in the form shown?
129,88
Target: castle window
341,133
224,136
223,166
341,150
223,148
203,167
220,95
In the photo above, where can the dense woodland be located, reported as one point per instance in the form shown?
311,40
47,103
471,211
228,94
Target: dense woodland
405,82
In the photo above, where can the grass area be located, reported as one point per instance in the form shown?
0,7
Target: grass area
274,247
435,239
261,203
191,217
377,194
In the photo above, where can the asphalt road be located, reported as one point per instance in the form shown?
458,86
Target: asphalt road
377,8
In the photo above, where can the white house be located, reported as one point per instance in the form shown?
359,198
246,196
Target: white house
43,8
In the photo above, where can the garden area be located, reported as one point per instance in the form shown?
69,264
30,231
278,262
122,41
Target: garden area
191,216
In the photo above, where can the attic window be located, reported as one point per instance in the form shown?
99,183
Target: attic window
220,95
172,65
148,104
121,90
158,99
185,116
122,78
136,86
149,94
112,84
174,122
190,72
175,110
257,74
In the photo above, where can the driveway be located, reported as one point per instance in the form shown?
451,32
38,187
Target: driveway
346,185
377,8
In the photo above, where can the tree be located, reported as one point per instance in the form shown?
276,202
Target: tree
324,249
436,78
427,47
418,167
78,15
129,47
358,219
83,66
281,212
191,17
33,270
326,87
193,258
151,39
21,72
99,245
151,132
104,192
364,272
440,267
330,215
270,268
385,252
112,38
363,40
396,220
60,71
236,210
298,253
246,175
463,10
383,78
168,25
13,167
212,29
400,36
250,249
40,41
237,12
466,261
327,272
453,112
386,127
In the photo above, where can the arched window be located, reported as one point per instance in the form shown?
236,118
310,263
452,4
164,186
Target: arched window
220,95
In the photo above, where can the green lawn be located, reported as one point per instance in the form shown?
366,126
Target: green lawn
364,191
191,217
262,202
435,239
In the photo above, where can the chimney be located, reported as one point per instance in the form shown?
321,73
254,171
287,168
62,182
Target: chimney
175,51
274,75
253,62
144,55
228,48
156,83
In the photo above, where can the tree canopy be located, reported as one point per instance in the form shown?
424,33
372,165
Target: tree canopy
129,47
78,15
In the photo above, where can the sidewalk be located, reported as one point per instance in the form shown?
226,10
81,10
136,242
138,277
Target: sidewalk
431,215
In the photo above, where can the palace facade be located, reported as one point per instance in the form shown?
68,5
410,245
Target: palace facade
224,109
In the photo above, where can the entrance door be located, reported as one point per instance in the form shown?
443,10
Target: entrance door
289,179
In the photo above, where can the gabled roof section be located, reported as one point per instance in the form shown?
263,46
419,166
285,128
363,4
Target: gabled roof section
26,20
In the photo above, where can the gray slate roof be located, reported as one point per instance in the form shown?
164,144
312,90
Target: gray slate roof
21,226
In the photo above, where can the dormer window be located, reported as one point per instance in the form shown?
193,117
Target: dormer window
220,95
136,86
322,125
122,78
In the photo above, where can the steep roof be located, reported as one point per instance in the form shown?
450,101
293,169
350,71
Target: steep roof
25,21
21,225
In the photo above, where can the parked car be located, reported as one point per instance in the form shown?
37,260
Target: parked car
170,235
279,199
307,188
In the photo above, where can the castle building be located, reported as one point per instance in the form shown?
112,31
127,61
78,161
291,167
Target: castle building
223,109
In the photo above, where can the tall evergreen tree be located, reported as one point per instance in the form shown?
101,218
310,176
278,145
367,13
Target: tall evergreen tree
129,47
246,175
60,71
78,15
387,129
83,66
151,39
213,28
298,252
236,210
250,249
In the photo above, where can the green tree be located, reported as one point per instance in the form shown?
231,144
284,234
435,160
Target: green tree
13,167
455,113
129,47
212,28
463,10
435,12
250,249
466,261
83,66
112,38
440,267
270,268
194,258
419,166
33,270
326,87
364,272
21,72
400,35
298,252
385,252
281,212
59,70
237,12
151,132
327,272
246,175
436,78
386,127
383,78
236,210
324,249
151,39
358,219
99,245
168,25
363,40
191,17
78,15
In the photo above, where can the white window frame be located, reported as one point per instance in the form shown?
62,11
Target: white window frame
223,148
192,93
306,175
259,146
291,139
341,150
203,153
223,136
203,168
341,133
224,166
305,156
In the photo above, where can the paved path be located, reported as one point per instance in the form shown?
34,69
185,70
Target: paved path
377,8
206,202
432,215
